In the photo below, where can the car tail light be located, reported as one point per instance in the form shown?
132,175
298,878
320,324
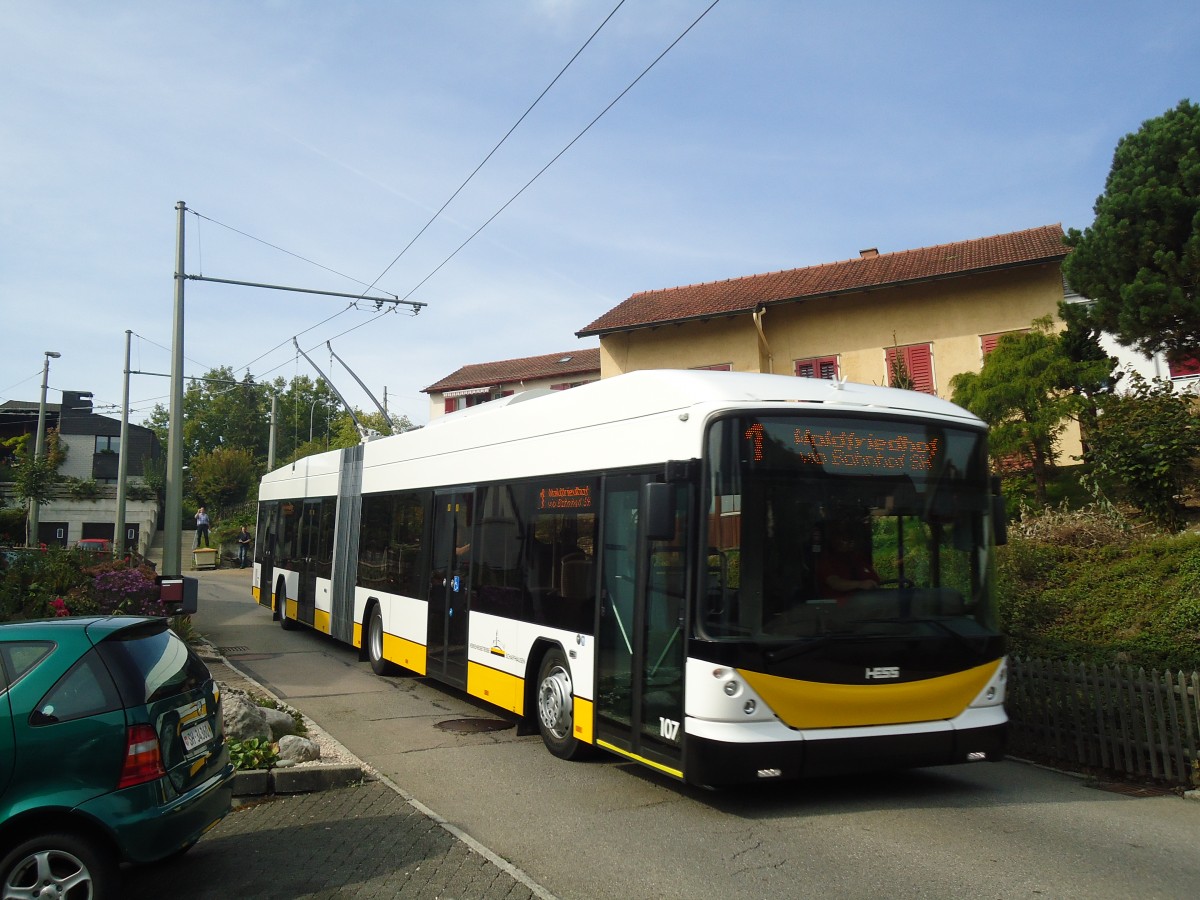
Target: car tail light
143,758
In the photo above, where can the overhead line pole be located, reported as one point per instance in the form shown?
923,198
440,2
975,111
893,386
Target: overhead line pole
173,514
378,301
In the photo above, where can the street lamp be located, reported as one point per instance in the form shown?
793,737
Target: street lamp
32,537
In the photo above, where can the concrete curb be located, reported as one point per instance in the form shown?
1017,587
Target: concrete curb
294,780
301,779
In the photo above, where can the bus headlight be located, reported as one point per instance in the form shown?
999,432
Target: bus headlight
732,688
750,707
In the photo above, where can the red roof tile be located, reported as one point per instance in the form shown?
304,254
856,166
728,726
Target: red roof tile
551,365
740,295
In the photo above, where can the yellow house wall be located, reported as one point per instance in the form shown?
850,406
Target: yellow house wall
951,315
857,328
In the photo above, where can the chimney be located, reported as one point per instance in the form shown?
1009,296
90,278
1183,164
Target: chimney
869,253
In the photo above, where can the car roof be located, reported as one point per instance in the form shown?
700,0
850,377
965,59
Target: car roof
97,627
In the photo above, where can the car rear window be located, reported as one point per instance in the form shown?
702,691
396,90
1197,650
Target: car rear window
149,663
19,657
86,690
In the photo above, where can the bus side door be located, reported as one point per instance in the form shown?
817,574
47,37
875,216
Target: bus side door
449,585
640,635
310,536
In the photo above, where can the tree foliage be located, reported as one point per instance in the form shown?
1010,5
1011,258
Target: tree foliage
1140,259
223,477
219,411
1025,392
1143,447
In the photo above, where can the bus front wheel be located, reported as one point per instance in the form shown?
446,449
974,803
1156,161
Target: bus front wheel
555,707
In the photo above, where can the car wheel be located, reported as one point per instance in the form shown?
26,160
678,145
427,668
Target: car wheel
281,606
379,665
59,865
555,707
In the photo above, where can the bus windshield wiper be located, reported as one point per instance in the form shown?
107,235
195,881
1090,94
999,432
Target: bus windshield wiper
801,647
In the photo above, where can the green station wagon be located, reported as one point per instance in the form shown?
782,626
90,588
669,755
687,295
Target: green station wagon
112,750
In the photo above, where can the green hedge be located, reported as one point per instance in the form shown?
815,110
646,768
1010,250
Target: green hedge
1133,600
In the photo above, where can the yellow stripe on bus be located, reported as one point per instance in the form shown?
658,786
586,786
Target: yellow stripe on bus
808,704
677,773
584,720
496,687
403,652
321,621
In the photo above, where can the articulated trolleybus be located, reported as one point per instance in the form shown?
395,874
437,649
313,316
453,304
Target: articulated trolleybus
726,577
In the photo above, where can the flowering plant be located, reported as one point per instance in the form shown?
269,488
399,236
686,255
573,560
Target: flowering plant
59,605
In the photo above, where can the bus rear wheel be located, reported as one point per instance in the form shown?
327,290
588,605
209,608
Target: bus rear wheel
281,606
379,665
555,707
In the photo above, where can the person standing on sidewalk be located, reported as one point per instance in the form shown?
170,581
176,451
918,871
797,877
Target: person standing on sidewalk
244,540
202,525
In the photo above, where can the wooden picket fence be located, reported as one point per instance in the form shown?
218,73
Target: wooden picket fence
1118,719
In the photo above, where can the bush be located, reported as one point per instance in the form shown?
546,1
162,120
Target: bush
1143,446
36,585
1063,593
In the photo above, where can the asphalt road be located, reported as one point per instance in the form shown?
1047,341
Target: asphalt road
608,829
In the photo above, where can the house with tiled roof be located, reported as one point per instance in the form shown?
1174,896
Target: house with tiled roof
940,309
481,382
92,447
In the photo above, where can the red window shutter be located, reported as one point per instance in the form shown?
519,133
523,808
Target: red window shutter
920,366
451,404
1184,366
988,342
817,367
918,360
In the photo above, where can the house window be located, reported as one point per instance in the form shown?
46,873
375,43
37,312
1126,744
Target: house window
106,443
918,361
451,404
1182,366
817,367
716,367
988,342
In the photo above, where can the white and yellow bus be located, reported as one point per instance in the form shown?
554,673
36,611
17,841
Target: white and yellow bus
726,577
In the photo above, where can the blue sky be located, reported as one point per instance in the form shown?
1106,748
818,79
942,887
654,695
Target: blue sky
774,135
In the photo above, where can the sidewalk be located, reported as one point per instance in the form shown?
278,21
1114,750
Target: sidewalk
365,839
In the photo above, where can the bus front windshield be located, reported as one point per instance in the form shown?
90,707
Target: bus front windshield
840,525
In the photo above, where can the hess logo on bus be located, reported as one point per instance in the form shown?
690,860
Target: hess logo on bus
876,673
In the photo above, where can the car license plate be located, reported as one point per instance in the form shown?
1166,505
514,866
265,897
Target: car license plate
196,735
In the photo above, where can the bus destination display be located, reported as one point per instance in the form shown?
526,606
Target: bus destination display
848,450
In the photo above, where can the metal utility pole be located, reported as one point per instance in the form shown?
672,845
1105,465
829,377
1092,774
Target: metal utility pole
173,506
271,441
34,506
173,511
123,459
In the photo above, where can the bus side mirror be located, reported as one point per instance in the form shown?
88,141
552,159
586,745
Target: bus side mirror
658,508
